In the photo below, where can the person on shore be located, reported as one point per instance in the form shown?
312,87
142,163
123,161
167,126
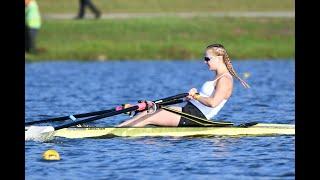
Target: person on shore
82,9
206,104
32,25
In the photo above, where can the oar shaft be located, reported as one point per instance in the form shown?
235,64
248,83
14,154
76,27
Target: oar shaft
179,96
63,118
112,113
140,106
174,101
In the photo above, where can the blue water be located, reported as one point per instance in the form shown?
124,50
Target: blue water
63,88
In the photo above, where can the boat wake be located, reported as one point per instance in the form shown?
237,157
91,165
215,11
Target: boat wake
39,133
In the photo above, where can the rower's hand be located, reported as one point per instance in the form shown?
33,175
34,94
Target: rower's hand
192,92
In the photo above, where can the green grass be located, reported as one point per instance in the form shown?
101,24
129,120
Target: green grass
165,38
127,6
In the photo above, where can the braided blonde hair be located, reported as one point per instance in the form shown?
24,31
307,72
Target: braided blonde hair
219,50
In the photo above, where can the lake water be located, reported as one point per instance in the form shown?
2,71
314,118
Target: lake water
63,88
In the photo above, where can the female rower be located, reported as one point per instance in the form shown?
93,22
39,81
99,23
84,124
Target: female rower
205,104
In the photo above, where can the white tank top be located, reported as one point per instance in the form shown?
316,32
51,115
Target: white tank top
207,90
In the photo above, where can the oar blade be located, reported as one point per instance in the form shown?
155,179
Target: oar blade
39,133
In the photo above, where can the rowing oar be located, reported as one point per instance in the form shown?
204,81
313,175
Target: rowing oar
44,133
63,118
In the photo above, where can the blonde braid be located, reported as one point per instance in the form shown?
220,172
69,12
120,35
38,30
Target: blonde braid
227,61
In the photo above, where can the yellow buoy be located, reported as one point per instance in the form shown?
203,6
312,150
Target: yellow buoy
51,155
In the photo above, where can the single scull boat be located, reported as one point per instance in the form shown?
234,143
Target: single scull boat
260,129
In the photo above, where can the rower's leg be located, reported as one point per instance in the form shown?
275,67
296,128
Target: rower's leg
159,118
135,118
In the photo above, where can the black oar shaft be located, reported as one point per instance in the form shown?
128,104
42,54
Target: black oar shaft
174,101
63,118
116,112
179,96
133,108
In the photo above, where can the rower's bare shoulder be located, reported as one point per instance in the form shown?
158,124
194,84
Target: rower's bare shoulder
225,85
225,80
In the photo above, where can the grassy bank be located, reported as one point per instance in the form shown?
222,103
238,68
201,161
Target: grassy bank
127,6
165,38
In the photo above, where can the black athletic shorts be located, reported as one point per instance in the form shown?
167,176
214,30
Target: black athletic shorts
189,108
